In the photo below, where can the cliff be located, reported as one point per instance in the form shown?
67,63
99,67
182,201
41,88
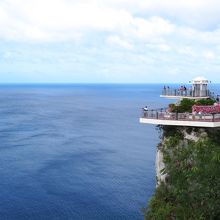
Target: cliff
188,176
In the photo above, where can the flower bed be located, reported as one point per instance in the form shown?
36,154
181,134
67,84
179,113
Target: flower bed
209,109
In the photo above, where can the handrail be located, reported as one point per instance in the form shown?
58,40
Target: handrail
182,92
164,115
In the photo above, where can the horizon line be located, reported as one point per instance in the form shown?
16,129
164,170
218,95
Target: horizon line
93,83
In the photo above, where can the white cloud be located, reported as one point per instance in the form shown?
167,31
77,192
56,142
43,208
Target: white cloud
152,29
209,55
187,50
195,13
161,47
58,20
7,55
154,34
116,40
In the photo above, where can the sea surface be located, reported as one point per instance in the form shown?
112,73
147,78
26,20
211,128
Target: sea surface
76,151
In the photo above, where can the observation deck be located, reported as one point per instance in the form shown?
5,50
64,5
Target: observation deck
162,117
184,93
201,116
198,90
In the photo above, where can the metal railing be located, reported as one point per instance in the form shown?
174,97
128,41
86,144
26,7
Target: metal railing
164,115
185,93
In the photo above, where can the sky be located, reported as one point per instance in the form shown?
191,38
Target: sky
109,41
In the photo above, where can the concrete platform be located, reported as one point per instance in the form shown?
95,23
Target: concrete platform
182,97
205,124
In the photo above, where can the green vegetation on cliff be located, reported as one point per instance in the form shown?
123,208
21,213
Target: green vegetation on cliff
192,187
185,105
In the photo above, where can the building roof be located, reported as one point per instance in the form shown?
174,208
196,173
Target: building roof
200,80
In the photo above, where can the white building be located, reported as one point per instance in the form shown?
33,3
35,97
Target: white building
198,90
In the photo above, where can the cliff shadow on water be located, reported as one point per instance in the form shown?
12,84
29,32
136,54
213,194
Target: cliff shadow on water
188,177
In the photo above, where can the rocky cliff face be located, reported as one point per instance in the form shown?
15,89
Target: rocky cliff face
161,177
187,135
188,177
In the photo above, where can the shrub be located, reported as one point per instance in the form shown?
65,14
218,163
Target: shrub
193,187
205,102
185,105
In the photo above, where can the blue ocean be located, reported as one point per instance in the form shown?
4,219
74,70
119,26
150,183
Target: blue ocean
76,151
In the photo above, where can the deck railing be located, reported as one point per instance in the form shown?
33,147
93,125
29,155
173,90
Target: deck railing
185,93
164,115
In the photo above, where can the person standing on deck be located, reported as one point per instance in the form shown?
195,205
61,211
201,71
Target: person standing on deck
145,111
